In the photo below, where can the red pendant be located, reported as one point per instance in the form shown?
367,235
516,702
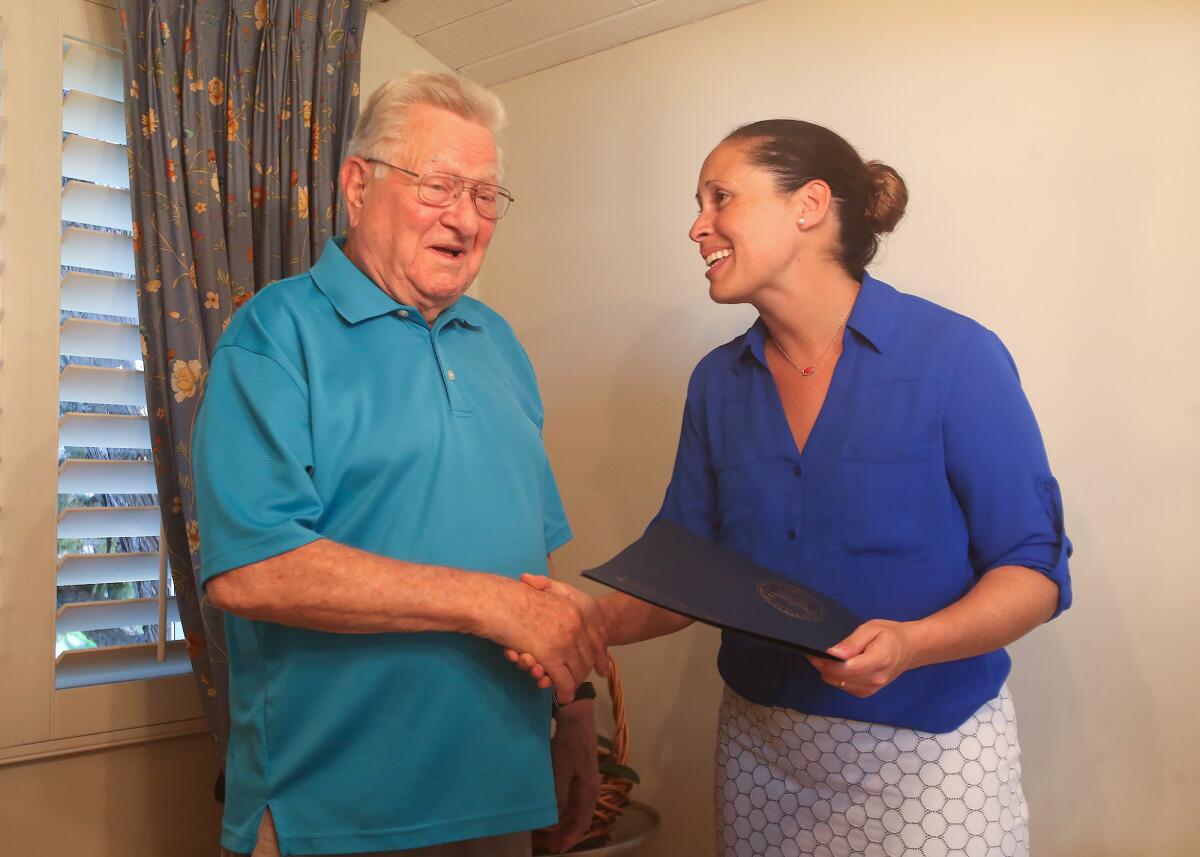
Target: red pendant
808,370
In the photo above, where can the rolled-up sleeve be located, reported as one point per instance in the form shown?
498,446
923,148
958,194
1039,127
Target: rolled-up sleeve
252,461
997,466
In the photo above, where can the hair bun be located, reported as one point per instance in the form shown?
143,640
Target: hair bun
888,197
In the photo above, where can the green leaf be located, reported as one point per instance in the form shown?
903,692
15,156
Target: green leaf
615,770
606,743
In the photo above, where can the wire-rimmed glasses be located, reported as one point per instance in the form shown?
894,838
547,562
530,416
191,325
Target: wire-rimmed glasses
442,189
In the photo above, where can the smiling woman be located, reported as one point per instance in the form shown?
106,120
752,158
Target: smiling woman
901,471
877,448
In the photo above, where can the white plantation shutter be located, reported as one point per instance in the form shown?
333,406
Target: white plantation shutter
117,619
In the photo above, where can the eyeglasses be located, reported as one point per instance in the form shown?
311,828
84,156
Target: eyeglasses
442,189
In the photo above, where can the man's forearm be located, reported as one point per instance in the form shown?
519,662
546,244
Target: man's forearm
328,586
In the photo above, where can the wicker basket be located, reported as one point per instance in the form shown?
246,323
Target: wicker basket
614,791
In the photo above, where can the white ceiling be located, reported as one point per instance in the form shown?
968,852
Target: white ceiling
491,41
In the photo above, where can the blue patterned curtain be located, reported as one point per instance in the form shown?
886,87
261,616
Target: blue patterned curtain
238,113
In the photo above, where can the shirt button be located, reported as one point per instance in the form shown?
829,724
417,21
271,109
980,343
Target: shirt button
792,535
450,374
797,470
404,313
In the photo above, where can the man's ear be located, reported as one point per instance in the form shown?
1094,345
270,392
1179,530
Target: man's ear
352,184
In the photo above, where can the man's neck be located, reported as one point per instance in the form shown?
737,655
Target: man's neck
398,288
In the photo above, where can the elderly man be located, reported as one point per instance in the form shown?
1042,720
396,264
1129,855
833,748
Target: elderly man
371,482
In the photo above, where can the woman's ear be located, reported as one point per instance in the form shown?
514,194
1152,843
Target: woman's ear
811,203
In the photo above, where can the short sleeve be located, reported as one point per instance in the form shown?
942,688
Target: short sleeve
252,461
554,516
997,466
691,498
555,526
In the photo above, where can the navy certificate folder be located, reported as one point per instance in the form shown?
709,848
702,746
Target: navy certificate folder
673,568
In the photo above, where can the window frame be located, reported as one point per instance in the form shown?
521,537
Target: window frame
36,720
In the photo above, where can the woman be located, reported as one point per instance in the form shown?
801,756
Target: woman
878,448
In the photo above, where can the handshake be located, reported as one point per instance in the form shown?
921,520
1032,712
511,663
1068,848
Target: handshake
556,633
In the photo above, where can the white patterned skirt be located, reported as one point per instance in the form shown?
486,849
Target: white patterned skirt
791,784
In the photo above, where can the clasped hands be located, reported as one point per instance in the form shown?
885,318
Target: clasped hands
565,636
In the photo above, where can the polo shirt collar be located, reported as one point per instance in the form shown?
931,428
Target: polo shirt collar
353,294
873,318
357,298
463,311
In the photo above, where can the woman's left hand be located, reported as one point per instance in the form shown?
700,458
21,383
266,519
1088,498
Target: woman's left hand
872,657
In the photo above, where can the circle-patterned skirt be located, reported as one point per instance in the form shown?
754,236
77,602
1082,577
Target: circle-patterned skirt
791,784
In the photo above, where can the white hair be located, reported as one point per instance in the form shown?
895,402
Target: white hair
383,121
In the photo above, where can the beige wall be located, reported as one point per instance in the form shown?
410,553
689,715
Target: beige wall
1050,151
148,800
387,52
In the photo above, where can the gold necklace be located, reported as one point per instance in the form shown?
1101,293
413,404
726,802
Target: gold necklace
808,370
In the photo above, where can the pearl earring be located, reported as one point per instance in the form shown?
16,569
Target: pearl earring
801,221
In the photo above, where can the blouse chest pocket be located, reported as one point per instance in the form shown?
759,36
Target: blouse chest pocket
742,434
731,458
889,499
741,463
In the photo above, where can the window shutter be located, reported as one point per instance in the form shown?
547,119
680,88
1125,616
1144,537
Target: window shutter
117,619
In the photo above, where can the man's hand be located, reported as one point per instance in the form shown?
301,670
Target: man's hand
548,624
874,656
591,612
576,776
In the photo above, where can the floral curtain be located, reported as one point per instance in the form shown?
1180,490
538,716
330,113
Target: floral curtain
238,113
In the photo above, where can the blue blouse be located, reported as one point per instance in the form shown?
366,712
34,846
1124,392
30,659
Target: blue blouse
924,470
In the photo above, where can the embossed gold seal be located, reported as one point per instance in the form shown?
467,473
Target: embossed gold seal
791,601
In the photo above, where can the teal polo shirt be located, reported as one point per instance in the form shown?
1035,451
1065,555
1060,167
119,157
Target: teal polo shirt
332,411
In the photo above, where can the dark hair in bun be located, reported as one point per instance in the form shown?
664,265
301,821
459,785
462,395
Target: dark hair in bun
870,197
